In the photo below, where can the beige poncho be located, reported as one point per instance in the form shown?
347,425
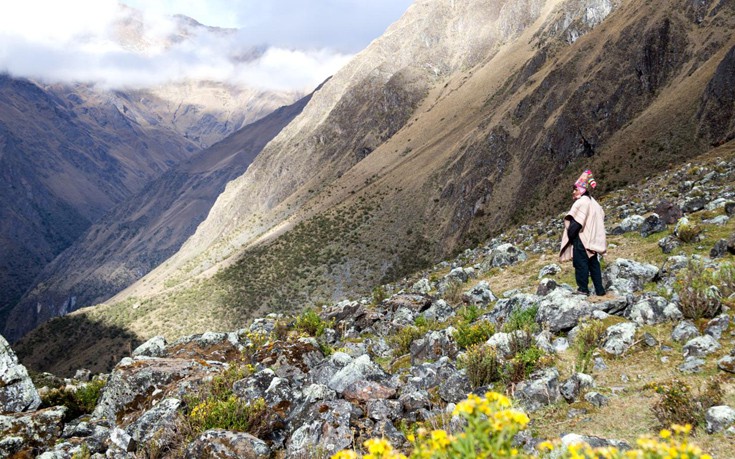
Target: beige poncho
588,213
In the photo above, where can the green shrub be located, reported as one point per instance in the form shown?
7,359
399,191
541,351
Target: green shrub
401,340
231,413
522,319
588,339
79,401
469,334
687,231
309,322
679,404
469,313
698,296
523,364
482,364
379,294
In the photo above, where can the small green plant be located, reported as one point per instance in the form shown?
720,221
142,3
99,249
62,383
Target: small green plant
522,319
698,296
379,294
469,313
401,341
523,364
78,401
687,231
482,364
231,413
468,334
680,405
588,339
309,322
82,453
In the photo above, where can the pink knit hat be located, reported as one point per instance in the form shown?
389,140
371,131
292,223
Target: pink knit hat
585,181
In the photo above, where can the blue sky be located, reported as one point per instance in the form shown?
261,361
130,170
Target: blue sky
304,41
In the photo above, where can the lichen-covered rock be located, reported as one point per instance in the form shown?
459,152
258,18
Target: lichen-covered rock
479,295
596,398
38,430
561,310
652,224
684,331
17,392
362,391
719,418
154,347
727,364
155,422
631,223
595,442
506,255
433,345
224,444
700,346
717,326
619,338
549,270
572,387
541,389
651,310
135,385
326,424
356,370
627,276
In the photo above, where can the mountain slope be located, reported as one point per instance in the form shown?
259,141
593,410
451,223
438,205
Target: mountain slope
62,169
144,230
464,118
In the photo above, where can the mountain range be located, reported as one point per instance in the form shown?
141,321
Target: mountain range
462,119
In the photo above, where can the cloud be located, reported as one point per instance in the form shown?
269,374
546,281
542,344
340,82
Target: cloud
280,44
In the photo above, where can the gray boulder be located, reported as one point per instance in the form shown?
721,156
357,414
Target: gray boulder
719,418
595,442
380,410
504,307
155,423
727,364
596,399
619,338
669,243
651,310
439,311
37,430
422,286
154,347
480,294
691,365
134,383
506,255
503,342
433,345
356,370
561,310
572,387
717,326
700,346
684,331
224,444
17,392
629,224
549,270
627,276
541,389
652,224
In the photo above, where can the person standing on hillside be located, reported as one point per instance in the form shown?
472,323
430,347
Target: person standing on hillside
584,240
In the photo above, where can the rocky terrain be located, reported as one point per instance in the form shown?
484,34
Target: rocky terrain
658,348
459,122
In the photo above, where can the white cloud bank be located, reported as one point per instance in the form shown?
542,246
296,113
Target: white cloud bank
278,44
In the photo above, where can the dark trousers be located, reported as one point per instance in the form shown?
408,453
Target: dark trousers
584,267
